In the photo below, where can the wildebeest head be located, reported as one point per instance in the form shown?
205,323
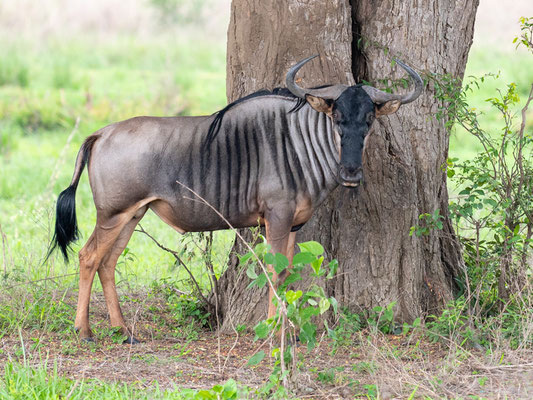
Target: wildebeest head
352,110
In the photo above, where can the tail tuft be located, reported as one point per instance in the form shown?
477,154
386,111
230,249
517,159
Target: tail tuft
66,229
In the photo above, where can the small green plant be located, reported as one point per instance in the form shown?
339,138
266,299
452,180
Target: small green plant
452,323
428,222
296,309
365,367
371,392
183,314
116,335
349,323
382,318
327,376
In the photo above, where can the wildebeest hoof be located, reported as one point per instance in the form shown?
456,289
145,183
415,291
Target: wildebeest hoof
86,338
294,341
131,340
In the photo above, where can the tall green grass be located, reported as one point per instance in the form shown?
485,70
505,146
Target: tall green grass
65,80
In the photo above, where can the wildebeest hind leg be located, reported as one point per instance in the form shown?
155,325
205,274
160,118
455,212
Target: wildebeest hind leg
91,256
106,273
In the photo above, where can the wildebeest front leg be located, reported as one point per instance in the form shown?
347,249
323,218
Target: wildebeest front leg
278,230
290,255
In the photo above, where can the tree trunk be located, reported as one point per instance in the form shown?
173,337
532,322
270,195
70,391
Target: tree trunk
366,230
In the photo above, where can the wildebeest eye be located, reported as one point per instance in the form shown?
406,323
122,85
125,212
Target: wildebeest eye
370,117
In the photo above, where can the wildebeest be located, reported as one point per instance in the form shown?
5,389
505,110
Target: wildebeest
269,158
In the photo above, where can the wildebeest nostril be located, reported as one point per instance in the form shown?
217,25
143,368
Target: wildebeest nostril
350,174
350,170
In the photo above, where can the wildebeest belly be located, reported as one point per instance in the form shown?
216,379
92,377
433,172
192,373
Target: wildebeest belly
198,217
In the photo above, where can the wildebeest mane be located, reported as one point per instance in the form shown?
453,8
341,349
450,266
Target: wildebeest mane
214,128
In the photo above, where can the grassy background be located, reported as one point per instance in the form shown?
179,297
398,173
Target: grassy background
119,70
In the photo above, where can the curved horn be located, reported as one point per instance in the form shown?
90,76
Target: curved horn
330,92
380,97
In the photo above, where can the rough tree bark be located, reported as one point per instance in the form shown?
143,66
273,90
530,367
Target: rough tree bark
366,230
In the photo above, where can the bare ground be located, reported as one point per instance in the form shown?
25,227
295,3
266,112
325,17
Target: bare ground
390,366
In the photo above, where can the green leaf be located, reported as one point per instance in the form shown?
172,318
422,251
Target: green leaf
291,311
256,358
280,262
230,389
492,202
312,302
207,394
292,278
316,265
323,305
388,314
261,281
218,389
312,247
262,329
307,312
292,296
269,259
308,335
243,259
334,304
303,258
250,272
261,248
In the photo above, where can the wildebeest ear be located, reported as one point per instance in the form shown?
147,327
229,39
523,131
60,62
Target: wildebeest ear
320,104
387,108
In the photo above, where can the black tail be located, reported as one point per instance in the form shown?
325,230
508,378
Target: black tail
66,228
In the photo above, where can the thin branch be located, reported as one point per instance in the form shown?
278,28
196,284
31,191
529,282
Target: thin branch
40,280
178,258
